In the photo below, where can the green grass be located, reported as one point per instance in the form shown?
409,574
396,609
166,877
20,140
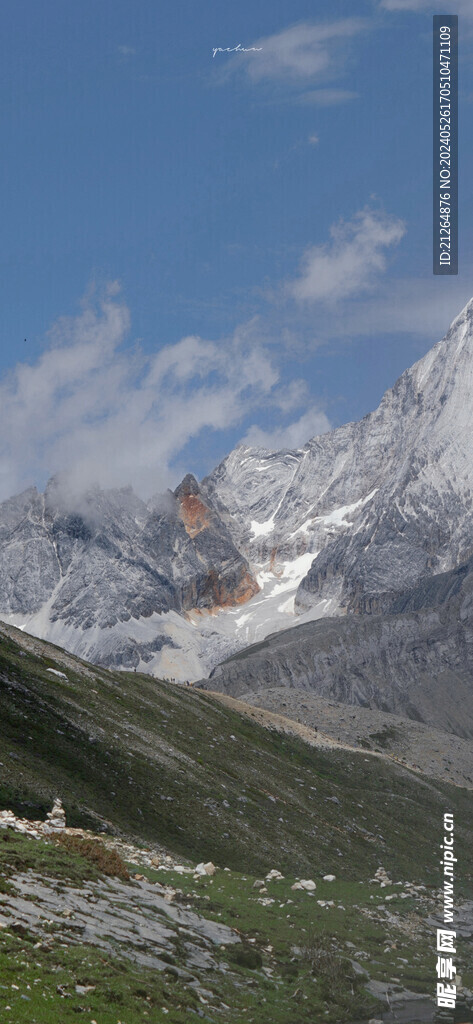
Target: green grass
292,966
309,947
68,857
46,987
167,764
46,992
38,978
20,853
162,764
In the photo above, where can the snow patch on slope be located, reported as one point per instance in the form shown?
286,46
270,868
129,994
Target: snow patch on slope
262,529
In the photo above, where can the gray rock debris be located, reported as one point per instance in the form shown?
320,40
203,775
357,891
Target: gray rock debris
136,921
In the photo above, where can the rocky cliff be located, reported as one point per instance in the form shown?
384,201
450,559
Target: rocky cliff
415,661
344,525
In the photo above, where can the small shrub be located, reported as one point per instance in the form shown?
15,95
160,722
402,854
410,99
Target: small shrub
289,971
246,956
108,862
114,997
385,736
331,971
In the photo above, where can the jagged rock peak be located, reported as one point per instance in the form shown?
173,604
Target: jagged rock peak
187,486
347,523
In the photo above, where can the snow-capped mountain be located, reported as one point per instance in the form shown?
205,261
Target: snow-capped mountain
110,578
380,502
345,524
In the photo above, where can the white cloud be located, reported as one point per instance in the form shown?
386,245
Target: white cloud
313,140
418,306
105,413
350,263
464,9
299,54
290,395
294,435
127,51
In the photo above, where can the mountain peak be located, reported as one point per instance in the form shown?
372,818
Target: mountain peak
465,314
357,516
188,485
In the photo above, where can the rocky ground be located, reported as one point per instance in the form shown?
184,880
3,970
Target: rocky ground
119,918
236,947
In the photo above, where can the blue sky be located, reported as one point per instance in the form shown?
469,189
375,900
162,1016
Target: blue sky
200,249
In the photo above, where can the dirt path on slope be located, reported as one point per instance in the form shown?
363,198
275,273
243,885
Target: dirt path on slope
412,745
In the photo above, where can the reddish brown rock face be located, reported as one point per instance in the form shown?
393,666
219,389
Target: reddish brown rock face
232,583
194,514
273,564
222,596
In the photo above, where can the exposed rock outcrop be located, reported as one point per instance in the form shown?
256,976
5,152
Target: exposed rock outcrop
417,663
347,524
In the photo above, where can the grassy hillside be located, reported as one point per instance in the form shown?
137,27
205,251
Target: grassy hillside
295,957
174,766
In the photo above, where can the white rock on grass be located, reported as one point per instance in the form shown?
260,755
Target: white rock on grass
329,878
274,875
204,869
307,884
381,876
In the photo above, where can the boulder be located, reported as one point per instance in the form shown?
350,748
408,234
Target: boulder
205,869
305,883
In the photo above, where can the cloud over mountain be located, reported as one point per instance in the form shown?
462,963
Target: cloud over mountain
102,411
350,262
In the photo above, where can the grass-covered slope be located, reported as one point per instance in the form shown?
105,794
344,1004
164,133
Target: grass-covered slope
175,766
257,953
